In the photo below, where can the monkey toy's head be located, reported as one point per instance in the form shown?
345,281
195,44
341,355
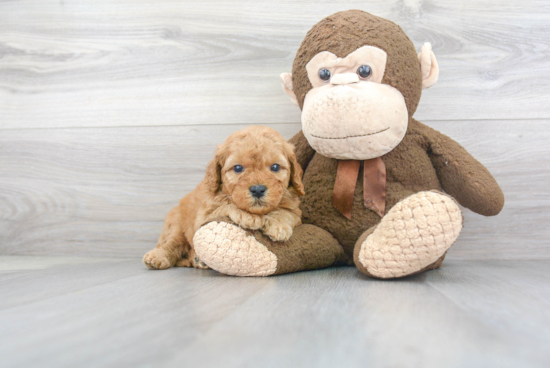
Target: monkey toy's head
358,80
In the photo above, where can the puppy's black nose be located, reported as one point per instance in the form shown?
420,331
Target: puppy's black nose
258,191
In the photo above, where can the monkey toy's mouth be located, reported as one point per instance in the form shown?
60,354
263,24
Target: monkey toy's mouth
358,123
352,136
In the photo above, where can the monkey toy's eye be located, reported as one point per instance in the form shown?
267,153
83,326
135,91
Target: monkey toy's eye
238,168
275,167
364,71
324,74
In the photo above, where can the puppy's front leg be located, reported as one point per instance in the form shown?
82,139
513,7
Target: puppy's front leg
244,219
279,224
171,245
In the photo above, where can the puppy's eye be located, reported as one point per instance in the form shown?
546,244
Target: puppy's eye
275,167
364,71
238,168
324,74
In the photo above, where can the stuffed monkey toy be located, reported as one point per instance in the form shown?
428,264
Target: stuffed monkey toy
382,189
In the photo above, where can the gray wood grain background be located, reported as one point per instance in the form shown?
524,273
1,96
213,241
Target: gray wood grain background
110,109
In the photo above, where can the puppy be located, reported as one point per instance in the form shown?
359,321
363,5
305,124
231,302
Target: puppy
254,180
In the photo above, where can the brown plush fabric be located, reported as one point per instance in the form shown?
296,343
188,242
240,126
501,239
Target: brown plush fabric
416,164
303,151
464,178
343,33
309,248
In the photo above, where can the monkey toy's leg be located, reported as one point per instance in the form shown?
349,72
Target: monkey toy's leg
412,237
232,250
171,245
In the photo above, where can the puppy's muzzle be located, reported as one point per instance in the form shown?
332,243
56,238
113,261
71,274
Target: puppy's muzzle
257,191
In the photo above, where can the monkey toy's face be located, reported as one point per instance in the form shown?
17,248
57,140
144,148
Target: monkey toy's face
358,79
349,114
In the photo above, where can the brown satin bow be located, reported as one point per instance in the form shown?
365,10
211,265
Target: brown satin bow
374,185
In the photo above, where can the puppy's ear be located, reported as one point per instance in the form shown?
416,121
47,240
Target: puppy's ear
296,171
213,177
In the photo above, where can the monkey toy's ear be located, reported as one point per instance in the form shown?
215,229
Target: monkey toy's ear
286,78
428,66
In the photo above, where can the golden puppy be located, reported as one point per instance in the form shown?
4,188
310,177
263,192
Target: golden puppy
254,180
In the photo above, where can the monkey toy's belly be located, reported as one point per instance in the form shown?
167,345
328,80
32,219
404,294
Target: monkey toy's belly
404,177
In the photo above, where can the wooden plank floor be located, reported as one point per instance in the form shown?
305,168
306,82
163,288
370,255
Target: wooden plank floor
104,312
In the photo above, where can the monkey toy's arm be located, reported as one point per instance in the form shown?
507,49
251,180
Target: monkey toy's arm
462,176
303,151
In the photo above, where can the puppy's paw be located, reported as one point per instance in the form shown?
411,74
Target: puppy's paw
246,220
277,231
158,259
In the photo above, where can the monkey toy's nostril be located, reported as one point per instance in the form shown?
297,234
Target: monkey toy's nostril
258,191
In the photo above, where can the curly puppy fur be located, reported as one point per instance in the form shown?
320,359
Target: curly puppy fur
226,193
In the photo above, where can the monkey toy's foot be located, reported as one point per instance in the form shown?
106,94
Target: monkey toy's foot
232,250
413,236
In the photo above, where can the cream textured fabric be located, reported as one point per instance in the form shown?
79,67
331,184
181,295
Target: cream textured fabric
231,250
350,117
357,121
428,66
286,78
414,234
